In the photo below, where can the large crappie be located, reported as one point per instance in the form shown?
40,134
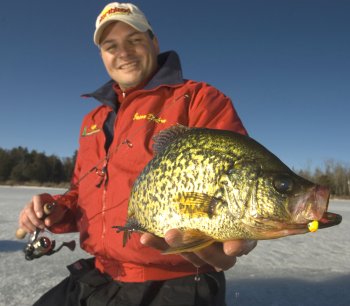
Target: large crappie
217,185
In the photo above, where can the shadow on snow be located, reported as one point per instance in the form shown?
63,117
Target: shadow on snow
288,292
11,245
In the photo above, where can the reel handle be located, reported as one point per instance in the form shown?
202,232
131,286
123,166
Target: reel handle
48,208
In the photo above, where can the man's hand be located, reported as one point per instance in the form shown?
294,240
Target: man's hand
31,216
222,256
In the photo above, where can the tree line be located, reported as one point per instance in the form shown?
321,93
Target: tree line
334,174
19,166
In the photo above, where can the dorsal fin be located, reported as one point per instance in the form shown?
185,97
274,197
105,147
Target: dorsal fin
167,136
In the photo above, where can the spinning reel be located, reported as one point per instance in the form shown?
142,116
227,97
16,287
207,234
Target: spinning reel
39,243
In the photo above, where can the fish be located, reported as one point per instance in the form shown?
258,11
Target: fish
217,185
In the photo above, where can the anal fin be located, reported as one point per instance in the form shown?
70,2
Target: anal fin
192,241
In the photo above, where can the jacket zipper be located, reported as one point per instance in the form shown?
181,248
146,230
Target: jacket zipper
105,184
104,203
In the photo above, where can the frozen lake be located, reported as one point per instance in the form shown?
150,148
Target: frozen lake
312,269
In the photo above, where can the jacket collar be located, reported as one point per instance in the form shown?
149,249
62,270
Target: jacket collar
169,74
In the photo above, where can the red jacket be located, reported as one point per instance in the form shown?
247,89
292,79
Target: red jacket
98,202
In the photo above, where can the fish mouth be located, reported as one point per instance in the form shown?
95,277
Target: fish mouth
308,214
328,219
312,205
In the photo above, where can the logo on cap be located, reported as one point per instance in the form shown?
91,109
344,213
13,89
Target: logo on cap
114,11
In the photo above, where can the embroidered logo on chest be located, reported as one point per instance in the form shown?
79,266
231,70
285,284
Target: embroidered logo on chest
149,117
93,129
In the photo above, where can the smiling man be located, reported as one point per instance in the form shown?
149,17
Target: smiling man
129,56
146,94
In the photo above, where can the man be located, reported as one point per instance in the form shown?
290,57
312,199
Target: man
146,95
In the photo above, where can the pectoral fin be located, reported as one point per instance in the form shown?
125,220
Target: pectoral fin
192,241
193,204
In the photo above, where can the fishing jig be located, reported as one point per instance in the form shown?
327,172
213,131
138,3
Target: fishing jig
313,226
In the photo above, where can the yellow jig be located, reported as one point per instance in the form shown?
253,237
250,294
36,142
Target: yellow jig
313,226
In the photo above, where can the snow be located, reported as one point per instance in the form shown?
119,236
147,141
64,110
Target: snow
312,269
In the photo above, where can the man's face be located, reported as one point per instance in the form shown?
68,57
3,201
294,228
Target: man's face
129,56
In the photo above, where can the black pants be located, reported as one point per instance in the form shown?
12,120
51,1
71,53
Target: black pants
86,286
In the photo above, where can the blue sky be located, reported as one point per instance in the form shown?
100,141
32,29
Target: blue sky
284,63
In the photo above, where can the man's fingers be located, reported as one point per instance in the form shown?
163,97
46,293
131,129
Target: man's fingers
26,225
31,215
54,213
38,206
215,256
212,255
152,241
29,220
174,237
161,244
222,256
239,247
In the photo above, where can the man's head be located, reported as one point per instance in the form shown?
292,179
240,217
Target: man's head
128,47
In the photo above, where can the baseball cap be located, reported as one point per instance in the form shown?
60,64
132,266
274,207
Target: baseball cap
125,12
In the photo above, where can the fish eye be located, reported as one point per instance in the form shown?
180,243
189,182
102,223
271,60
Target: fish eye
283,184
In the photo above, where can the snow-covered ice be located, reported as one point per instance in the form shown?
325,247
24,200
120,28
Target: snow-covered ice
312,269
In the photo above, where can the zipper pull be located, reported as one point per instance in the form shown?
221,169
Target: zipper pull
102,173
128,143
